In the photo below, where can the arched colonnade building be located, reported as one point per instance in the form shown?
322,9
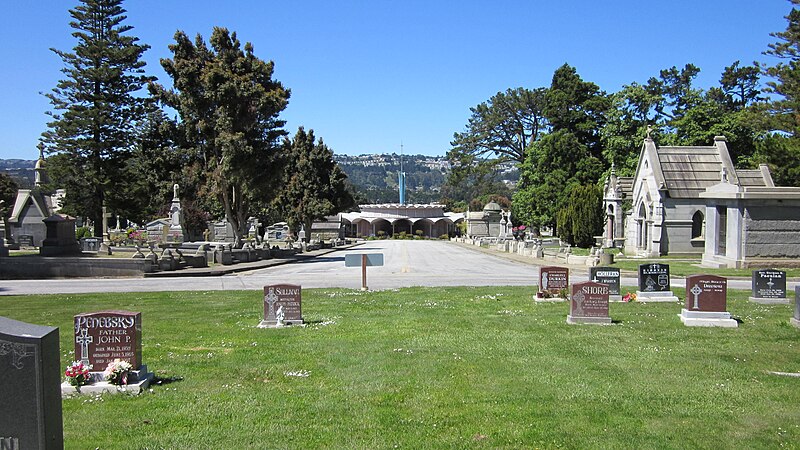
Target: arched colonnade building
395,218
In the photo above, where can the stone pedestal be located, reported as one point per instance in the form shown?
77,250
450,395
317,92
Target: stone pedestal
60,238
663,296
707,319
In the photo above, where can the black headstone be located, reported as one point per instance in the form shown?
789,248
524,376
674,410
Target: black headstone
654,277
30,386
607,275
769,283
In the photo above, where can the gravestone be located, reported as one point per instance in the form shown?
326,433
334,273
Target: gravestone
654,284
104,336
589,304
25,240
282,306
60,238
706,302
796,319
609,276
769,286
552,280
30,373
91,244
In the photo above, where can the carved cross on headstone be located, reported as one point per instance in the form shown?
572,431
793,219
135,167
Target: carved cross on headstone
579,298
696,291
770,283
84,340
272,298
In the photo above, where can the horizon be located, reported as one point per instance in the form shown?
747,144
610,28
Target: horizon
369,78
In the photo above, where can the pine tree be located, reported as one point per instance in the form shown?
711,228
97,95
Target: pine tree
96,109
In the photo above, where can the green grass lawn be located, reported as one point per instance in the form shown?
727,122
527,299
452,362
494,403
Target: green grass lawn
436,368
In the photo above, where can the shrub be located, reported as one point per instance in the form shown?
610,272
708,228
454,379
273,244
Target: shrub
82,232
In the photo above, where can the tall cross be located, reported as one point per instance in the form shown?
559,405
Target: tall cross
271,300
696,291
84,339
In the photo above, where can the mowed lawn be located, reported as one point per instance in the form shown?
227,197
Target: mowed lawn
436,368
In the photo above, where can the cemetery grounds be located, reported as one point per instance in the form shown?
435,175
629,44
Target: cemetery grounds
435,368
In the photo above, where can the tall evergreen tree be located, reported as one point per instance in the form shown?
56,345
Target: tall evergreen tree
96,109
228,104
314,185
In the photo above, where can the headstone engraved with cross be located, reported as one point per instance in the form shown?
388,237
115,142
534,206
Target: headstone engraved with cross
30,373
654,283
706,302
282,305
610,276
105,336
589,304
769,286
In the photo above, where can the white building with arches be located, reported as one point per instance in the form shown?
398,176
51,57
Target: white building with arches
393,218
660,210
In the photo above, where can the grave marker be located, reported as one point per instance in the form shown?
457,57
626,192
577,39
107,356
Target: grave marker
609,276
796,319
769,286
706,302
101,337
552,280
589,304
282,305
654,283
30,374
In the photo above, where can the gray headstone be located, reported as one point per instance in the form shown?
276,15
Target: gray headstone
30,379
797,303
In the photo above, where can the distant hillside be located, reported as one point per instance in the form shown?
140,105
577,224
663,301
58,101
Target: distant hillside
375,176
21,170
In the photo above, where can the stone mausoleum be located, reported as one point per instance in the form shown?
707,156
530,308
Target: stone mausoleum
661,209
31,207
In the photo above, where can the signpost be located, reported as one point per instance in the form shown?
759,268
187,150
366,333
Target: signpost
363,260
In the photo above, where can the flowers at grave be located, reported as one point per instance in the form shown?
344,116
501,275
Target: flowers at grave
77,373
117,372
138,236
629,297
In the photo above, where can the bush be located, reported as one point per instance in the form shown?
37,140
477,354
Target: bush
444,237
82,232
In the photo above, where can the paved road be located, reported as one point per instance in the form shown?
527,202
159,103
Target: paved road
407,263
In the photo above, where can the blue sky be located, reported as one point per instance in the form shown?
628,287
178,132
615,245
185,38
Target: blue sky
368,75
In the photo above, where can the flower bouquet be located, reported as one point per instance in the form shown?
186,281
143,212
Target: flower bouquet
78,374
629,297
117,372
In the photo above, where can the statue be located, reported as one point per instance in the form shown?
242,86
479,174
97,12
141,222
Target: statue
279,316
175,191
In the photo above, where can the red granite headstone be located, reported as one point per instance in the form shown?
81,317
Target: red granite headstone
553,279
285,299
706,293
589,299
101,337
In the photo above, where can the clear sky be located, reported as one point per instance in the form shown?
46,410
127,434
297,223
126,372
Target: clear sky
367,75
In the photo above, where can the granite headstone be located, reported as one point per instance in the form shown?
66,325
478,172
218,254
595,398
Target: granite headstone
769,286
101,337
609,276
589,303
282,305
796,319
30,374
707,302
552,280
654,283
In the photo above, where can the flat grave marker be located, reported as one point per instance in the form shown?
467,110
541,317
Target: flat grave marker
30,374
282,305
654,283
706,302
589,304
609,276
552,280
769,286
